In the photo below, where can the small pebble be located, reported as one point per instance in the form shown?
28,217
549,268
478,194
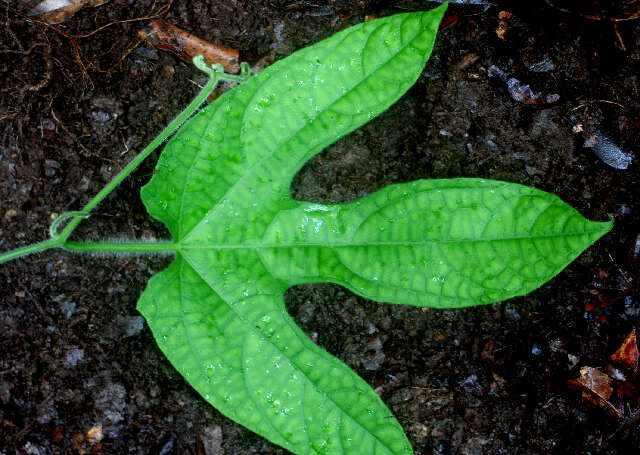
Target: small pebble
74,356
536,350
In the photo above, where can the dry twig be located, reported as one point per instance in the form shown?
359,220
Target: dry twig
185,45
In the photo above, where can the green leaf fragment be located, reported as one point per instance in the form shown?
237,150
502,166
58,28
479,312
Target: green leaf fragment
222,188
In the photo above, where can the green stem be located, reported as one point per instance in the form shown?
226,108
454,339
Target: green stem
115,247
215,73
214,77
30,249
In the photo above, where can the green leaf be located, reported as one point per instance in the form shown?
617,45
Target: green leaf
222,188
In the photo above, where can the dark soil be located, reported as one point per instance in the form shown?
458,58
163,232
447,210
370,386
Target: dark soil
79,369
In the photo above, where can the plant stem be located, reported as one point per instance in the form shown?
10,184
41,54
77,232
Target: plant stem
214,77
116,247
215,73
30,249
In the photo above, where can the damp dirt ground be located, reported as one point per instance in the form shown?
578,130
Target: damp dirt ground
79,369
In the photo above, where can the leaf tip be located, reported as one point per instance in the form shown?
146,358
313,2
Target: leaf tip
435,15
604,227
610,222
441,9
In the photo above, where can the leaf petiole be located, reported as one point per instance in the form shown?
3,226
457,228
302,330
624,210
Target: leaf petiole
124,247
30,249
59,239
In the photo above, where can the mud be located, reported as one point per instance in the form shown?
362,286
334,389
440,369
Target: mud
79,370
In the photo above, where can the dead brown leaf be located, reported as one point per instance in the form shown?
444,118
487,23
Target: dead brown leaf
596,382
504,24
596,388
627,355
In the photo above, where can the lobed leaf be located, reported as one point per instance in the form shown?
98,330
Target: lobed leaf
222,188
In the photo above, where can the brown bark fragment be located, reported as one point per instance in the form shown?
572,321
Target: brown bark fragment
163,35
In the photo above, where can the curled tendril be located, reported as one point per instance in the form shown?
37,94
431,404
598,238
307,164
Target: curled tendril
216,70
199,62
53,229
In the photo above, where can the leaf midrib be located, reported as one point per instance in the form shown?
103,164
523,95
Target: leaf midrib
255,246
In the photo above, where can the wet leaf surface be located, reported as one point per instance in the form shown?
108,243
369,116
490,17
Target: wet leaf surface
56,302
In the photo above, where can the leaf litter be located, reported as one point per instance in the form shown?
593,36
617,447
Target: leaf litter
597,387
603,147
519,91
